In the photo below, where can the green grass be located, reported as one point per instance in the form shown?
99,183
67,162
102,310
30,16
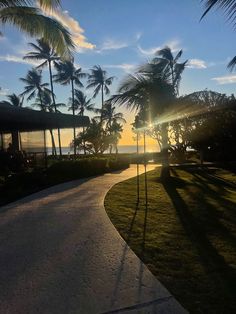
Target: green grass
187,235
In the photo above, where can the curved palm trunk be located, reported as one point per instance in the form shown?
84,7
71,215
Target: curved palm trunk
165,170
54,103
73,110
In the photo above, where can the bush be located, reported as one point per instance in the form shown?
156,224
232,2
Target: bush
118,164
24,183
76,169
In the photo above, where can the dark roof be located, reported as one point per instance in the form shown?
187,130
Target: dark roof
24,119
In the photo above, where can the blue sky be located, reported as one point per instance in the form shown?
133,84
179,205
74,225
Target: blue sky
121,34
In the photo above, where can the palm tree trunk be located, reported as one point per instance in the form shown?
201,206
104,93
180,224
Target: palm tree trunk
73,110
54,103
54,152
84,141
165,170
102,103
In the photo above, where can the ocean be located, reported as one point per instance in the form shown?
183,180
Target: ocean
121,149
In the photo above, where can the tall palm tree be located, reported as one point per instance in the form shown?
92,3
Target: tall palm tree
14,100
81,104
99,81
30,19
68,74
43,51
34,87
151,91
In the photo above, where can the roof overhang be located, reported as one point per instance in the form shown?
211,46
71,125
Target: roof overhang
24,119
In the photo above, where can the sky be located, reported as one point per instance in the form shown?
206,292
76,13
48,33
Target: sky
120,35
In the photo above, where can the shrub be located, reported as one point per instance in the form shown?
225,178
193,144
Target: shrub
75,169
118,164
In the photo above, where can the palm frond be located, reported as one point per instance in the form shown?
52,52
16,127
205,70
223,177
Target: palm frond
32,21
232,64
228,7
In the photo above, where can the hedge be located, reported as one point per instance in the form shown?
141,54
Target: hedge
75,169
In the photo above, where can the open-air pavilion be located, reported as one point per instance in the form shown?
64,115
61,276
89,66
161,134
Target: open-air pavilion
15,121
23,131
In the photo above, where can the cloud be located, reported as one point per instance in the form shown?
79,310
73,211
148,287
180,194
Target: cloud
73,26
227,79
18,59
126,67
196,64
173,44
111,44
4,91
149,51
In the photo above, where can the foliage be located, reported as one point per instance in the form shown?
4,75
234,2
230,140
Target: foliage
228,7
94,139
32,20
98,80
34,86
14,100
85,167
81,103
152,92
211,124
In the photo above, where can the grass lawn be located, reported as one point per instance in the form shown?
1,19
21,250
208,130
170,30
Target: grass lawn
187,234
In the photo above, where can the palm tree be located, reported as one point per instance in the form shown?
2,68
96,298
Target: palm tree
32,20
47,54
68,74
171,65
110,115
115,131
81,103
34,87
112,119
99,81
47,104
14,100
151,92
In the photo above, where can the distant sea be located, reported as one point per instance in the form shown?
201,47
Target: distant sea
121,149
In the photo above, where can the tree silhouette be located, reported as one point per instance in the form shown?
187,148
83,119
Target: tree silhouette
14,100
44,52
99,82
68,74
81,104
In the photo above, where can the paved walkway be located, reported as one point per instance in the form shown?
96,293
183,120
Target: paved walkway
59,253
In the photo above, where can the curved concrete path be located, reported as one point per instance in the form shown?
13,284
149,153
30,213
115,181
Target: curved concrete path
59,253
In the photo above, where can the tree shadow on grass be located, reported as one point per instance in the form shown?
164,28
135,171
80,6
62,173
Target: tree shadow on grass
219,272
